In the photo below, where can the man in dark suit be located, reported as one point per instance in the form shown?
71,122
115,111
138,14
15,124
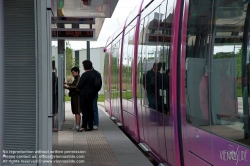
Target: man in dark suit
88,92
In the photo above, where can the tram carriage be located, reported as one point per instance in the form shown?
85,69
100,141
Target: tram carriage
194,109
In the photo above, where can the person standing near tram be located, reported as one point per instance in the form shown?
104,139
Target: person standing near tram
75,96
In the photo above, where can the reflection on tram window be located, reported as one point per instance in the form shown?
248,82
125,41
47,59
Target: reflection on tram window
115,71
130,52
150,84
125,68
217,72
154,59
163,88
223,83
196,64
149,67
231,105
106,66
153,25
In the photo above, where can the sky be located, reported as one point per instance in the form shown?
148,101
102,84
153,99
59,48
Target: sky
110,26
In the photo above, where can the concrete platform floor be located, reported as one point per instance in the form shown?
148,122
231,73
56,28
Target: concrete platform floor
107,146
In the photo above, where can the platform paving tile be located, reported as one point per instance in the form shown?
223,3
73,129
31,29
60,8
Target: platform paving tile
107,146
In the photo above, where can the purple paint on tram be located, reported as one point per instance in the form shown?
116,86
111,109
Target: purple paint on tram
177,78
134,73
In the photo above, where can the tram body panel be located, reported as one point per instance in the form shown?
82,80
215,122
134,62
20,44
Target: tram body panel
194,160
204,39
222,149
141,122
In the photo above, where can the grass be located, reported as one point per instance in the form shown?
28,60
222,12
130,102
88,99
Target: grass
239,92
100,98
66,98
128,95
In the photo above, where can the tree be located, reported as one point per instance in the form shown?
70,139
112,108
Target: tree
239,63
69,61
75,62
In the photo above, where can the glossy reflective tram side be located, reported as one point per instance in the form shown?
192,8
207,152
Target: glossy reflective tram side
144,79
185,84
214,82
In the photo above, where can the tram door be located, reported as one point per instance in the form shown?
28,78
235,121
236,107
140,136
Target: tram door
163,55
163,86
147,108
162,36
153,82
115,95
106,82
195,83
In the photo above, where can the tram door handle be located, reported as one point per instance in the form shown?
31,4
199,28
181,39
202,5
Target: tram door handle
197,136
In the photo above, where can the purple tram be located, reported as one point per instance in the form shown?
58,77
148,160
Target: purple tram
177,78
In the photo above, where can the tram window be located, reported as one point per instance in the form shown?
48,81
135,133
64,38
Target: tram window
130,55
113,74
230,77
115,68
164,38
155,59
140,89
118,69
143,60
217,68
125,67
197,58
159,94
150,66
106,65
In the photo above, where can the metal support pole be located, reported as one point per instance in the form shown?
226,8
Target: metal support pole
60,91
88,45
61,79
77,63
88,50
75,26
1,81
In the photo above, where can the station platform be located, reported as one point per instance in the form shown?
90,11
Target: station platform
107,146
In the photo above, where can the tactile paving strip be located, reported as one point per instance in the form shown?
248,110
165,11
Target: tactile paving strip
99,149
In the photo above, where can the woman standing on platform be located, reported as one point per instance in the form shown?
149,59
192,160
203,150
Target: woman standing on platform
75,95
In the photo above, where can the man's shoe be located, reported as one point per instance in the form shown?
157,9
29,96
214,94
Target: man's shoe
95,127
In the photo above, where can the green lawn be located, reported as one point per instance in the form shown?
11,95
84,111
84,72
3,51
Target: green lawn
100,98
239,92
128,95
